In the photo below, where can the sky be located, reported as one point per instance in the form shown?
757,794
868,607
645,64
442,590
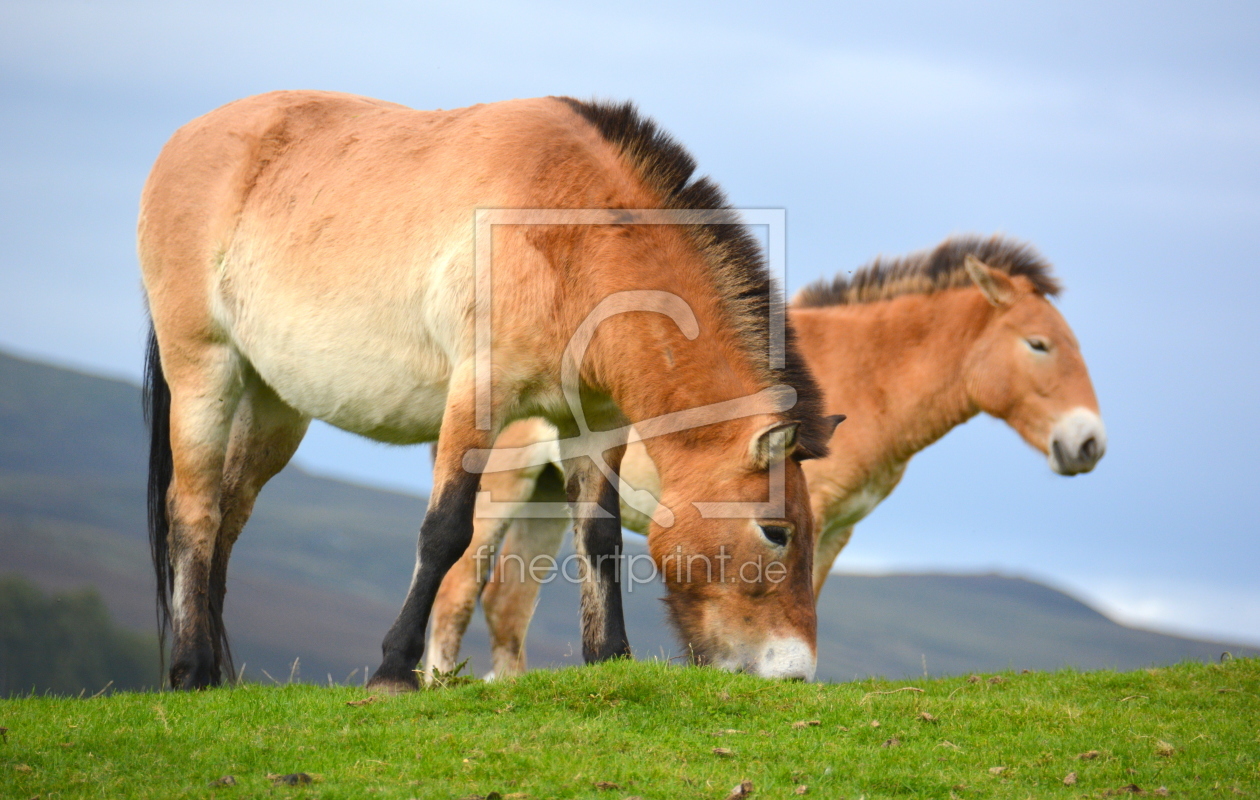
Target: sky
1122,139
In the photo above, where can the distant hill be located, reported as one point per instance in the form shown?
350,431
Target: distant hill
323,565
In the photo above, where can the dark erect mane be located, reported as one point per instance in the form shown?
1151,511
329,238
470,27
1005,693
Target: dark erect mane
930,271
738,264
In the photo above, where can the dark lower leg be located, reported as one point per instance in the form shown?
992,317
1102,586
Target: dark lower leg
236,511
598,543
236,507
457,598
195,518
444,536
194,659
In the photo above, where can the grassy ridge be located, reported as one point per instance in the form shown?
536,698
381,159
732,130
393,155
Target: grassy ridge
652,730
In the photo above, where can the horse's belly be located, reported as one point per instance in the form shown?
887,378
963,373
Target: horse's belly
383,398
366,370
385,405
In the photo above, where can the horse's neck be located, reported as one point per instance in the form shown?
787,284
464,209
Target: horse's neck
649,366
895,367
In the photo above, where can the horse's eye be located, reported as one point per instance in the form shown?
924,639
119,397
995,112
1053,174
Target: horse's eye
776,534
1038,344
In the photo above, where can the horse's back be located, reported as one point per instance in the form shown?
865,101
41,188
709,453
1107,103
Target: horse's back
229,164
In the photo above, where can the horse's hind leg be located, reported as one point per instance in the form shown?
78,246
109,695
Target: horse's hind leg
205,388
509,596
265,433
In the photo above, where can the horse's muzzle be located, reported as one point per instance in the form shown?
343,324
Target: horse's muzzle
1077,442
782,659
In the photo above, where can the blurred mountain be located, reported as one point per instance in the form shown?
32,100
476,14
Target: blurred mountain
323,566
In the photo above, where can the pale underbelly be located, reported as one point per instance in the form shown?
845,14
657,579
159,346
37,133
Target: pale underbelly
383,399
382,376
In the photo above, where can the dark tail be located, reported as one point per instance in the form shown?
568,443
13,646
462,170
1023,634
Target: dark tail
157,415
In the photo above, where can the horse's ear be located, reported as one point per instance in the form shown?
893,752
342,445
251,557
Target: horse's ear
772,444
996,287
834,421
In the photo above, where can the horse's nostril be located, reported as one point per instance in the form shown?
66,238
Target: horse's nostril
1089,449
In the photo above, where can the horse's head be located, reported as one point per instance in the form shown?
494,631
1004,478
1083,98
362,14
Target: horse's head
1026,368
740,580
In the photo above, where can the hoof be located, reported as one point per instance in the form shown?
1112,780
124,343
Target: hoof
393,685
194,673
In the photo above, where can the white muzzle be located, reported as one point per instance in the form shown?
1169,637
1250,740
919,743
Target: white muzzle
1077,442
783,659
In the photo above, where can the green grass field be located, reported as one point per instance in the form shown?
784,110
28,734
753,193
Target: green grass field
645,729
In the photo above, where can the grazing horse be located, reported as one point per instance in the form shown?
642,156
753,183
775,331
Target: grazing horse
908,348
317,255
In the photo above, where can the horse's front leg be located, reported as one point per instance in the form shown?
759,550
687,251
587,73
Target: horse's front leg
510,595
444,536
457,598
597,538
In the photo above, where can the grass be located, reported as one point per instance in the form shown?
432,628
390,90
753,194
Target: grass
652,731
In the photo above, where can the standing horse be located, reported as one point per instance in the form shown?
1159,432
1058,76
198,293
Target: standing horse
311,255
908,348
